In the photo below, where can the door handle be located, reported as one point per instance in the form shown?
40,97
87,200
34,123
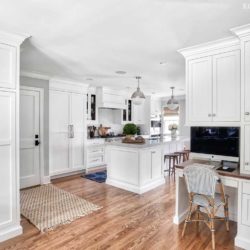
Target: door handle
37,142
71,131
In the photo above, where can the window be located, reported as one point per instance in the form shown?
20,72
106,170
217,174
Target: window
170,120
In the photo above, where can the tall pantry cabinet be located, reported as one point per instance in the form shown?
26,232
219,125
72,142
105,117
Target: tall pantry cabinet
9,135
67,126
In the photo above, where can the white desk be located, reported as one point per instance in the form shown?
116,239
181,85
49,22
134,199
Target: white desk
239,204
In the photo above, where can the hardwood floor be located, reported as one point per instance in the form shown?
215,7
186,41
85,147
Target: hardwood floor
126,221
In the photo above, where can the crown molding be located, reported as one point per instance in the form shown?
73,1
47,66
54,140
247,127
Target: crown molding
241,31
68,85
210,46
35,75
12,38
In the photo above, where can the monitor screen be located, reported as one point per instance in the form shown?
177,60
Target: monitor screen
215,140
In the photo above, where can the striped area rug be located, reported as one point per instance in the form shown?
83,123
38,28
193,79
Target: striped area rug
48,206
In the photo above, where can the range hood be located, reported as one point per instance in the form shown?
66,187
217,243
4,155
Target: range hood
110,98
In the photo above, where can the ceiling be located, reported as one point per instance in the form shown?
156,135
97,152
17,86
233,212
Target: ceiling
82,39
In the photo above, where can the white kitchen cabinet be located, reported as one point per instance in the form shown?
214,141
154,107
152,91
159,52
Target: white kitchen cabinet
9,135
226,87
67,133
199,90
246,209
213,83
138,114
246,78
151,164
8,62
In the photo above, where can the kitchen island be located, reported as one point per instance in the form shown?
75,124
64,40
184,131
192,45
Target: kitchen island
139,167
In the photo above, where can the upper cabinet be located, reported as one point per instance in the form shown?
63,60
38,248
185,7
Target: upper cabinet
8,67
243,32
213,83
91,107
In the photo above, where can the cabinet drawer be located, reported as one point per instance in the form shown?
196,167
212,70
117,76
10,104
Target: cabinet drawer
96,160
229,182
246,188
99,150
245,209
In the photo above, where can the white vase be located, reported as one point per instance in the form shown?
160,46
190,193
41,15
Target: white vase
173,133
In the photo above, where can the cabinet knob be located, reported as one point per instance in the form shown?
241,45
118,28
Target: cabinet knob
247,113
209,115
246,163
214,115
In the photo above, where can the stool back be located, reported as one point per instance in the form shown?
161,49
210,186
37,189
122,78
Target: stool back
201,179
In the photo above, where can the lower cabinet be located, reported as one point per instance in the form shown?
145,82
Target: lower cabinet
245,201
151,164
95,156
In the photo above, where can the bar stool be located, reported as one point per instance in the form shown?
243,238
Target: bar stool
173,160
182,155
188,152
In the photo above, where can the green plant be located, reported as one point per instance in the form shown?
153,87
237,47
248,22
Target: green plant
129,129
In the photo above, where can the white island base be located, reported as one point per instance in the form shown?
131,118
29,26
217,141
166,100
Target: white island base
135,169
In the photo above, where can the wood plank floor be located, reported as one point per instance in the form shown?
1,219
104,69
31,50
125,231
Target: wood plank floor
126,221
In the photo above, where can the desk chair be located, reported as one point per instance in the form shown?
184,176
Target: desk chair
201,183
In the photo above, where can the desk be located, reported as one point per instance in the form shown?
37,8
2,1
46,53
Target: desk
240,183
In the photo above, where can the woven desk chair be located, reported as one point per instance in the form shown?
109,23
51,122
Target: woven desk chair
201,183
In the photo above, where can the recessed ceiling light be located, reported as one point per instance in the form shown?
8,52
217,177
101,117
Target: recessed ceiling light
163,63
89,79
121,72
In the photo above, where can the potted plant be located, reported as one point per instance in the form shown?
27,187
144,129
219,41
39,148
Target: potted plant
129,129
173,127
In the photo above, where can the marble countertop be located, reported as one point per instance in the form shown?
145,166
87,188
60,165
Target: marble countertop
148,143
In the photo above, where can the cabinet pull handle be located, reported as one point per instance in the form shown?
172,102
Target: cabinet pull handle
247,113
71,131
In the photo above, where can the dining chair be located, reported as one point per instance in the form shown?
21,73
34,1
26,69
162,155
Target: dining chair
201,181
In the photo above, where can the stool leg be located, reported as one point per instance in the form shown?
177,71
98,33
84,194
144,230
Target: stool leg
175,159
169,167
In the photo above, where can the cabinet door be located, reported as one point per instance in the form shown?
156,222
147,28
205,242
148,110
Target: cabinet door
245,209
156,163
246,79
246,162
7,66
77,120
226,87
138,114
199,96
59,136
7,159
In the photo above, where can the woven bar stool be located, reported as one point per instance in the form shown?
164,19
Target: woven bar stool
173,160
182,155
188,152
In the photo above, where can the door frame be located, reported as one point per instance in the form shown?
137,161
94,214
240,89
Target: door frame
41,127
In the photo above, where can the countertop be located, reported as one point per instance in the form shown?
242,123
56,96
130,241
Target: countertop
148,142
236,173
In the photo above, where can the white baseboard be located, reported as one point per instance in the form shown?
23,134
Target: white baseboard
10,232
179,219
242,243
46,180
56,176
134,188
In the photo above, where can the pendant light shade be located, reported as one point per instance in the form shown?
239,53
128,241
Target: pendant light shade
138,97
172,103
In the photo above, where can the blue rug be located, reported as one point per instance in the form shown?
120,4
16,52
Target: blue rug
98,176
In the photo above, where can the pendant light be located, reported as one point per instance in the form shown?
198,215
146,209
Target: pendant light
172,103
138,97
